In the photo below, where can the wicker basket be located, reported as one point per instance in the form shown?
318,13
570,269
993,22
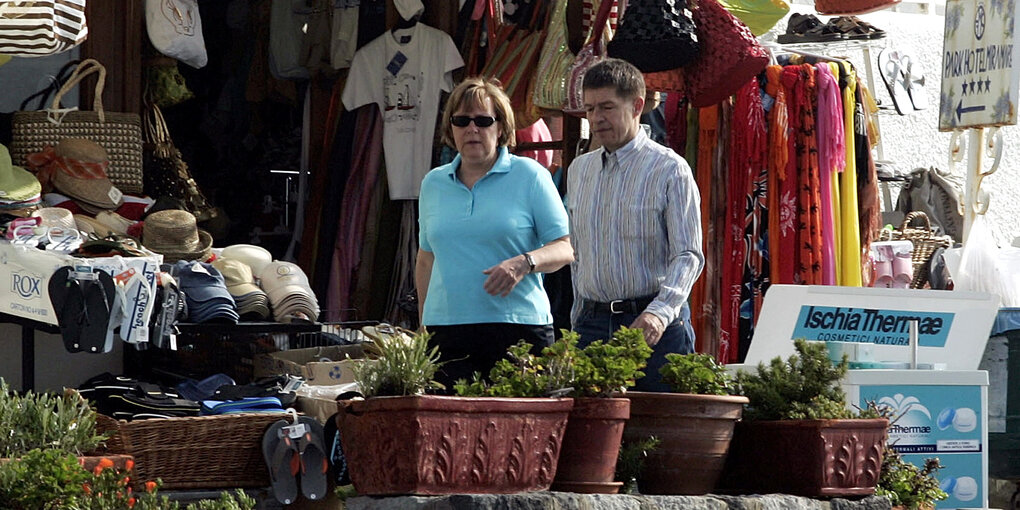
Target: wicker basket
205,452
925,243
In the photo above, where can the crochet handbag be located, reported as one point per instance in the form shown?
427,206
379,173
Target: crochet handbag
554,61
730,56
656,35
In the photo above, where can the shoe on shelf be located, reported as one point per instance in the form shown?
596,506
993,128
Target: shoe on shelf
807,28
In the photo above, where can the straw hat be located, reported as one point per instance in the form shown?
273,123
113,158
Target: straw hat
16,183
174,234
97,192
56,217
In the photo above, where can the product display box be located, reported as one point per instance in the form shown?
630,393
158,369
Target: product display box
328,365
941,414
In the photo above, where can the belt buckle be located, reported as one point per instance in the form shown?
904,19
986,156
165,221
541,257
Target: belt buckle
612,306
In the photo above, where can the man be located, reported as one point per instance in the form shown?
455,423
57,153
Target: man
635,225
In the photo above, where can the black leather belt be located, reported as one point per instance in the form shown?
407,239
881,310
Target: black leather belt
631,306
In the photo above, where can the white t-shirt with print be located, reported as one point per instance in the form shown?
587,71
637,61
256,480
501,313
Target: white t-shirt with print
405,80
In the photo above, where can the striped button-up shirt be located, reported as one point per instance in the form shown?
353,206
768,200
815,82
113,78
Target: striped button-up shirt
635,224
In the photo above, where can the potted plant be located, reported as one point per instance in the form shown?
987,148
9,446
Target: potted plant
592,375
694,425
907,486
400,440
798,429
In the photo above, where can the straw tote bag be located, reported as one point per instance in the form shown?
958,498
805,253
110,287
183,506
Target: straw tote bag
515,50
34,28
119,133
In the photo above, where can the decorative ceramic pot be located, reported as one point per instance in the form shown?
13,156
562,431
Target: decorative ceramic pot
591,445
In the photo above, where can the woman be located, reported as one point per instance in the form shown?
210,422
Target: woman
490,222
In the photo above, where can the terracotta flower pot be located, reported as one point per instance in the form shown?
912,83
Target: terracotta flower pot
811,458
452,445
694,433
591,445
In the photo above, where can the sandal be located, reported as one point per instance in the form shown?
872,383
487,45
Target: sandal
873,31
805,28
849,28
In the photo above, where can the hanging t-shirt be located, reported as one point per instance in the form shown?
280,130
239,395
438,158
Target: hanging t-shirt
404,77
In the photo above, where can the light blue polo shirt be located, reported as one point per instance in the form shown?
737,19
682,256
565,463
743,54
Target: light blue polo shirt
512,209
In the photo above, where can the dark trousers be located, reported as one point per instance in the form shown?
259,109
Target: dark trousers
470,348
678,337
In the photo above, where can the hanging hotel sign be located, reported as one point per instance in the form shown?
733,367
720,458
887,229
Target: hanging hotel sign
980,64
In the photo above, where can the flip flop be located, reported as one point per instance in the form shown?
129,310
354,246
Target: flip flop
99,296
68,302
338,472
314,463
890,67
913,77
281,456
903,271
883,274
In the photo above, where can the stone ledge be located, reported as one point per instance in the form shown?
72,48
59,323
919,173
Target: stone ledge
569,501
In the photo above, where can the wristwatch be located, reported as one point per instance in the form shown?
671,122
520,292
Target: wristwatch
531,262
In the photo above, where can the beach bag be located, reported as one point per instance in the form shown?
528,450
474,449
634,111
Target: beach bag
591,53
730,56
515,50
119,133
554,61
655,35
35,28
175,29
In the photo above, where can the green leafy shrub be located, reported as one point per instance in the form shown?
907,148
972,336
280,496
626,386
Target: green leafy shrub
908,485
44,420
406,366
631,462
53,480
598,370
696,373
805,386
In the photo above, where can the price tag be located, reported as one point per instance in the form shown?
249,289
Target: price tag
294,431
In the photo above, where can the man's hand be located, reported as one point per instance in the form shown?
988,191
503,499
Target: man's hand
652,327
504,276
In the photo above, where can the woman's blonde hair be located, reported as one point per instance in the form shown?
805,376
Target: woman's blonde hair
474,91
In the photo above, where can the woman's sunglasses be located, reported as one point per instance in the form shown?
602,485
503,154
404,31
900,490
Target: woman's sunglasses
482,121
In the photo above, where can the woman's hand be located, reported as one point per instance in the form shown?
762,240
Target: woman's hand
504,276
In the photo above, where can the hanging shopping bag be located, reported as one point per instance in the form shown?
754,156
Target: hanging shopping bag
41,27
759,15
655,35
119,133
554,61
591,53
175,29
730,56
515,52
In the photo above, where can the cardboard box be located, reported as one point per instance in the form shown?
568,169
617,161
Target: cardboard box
317,365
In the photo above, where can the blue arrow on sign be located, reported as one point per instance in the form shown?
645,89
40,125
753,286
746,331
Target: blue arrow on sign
960,110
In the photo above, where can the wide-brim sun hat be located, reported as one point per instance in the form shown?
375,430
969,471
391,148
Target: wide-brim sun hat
16,183
175,235
99,193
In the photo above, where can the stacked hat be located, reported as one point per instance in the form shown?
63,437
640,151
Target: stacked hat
250,300
19,189
256,257
205,292
289,292
174,234
77,167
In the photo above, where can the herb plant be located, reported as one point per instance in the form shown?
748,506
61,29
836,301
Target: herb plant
907,485
805,386
696,373
598,370
44,420
406,366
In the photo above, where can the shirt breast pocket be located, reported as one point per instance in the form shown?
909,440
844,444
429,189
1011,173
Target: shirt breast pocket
640,221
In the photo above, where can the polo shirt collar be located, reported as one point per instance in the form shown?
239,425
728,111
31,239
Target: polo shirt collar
501,166
630,149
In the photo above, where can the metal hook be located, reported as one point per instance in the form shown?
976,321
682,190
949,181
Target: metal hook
993,149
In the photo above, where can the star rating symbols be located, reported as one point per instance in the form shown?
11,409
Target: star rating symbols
974,87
